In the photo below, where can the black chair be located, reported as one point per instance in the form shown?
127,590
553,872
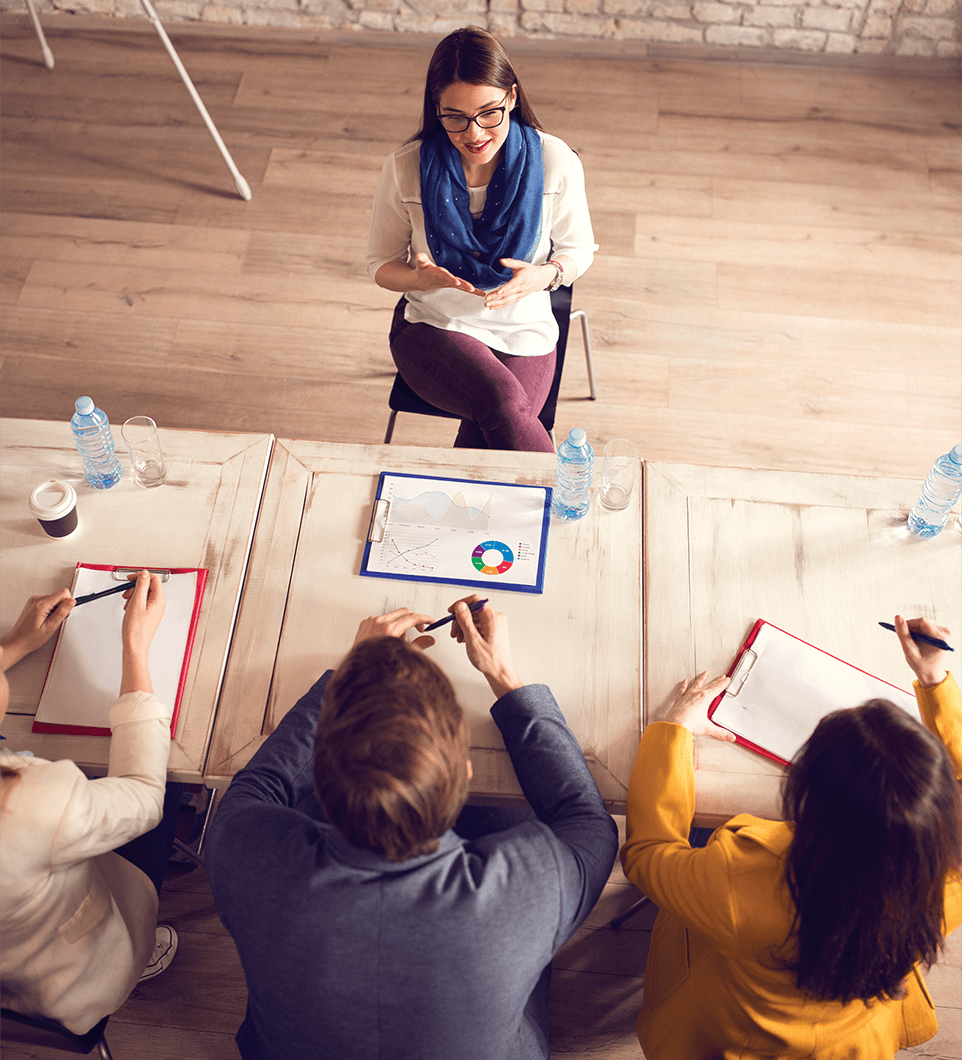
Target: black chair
404,399
49,1034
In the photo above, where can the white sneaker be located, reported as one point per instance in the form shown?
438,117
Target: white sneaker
165,947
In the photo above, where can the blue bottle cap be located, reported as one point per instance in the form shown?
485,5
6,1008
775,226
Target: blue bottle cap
84,405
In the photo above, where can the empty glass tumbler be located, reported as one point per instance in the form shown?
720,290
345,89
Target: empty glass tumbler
146,455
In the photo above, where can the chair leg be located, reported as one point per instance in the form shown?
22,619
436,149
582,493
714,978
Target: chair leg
586,338
636,908
389,433
208,815
104,1049
184,849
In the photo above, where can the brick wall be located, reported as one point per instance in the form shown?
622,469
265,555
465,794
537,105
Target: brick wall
918,28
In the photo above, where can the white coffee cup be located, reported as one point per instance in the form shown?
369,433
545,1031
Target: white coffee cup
54,505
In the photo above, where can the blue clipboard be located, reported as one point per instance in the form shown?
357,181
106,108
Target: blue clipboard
488,535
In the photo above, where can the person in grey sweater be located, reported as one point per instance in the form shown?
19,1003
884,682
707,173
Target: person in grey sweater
372,920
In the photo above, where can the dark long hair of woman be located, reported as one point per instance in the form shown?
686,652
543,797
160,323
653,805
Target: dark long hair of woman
878,828
473,56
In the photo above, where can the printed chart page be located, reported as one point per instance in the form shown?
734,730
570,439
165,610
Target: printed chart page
482,534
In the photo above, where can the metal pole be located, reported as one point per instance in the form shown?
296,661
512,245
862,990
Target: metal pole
242,186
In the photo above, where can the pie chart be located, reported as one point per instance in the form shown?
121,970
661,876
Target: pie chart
492,557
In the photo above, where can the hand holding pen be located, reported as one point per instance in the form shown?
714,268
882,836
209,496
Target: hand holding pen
40,618
926,658
484,634
478,605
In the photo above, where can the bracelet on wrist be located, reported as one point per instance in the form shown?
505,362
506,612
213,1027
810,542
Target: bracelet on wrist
559,275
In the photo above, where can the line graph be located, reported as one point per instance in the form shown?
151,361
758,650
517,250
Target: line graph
439,509
410,552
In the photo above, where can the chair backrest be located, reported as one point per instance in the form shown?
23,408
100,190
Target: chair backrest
52,1036
561,307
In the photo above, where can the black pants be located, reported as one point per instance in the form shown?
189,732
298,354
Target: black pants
151,851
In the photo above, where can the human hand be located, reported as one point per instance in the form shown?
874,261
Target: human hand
927,662
484,635
395,624
690,707
39,620
431,277
143,610
526,279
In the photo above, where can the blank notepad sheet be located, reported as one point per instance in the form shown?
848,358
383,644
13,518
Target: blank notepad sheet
83,682
790,688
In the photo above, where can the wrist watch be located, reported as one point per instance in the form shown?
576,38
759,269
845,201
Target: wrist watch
558,276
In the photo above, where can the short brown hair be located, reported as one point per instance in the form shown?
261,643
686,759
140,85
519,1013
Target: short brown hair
390,753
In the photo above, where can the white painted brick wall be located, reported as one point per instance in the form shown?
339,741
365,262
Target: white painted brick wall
873,27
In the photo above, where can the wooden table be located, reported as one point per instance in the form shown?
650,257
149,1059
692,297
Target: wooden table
304,599
825,557
203,516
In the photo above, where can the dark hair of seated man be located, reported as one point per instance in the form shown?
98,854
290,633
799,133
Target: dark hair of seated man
391,766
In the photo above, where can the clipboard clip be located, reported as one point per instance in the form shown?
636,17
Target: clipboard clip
742,670
379,517
120,574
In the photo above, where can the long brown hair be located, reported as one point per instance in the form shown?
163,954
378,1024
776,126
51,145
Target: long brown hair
391,750
471,56
878,830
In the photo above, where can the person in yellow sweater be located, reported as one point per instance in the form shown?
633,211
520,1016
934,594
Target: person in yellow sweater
804,937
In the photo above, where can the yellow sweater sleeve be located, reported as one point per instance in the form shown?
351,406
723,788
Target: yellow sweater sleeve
941,710
693,884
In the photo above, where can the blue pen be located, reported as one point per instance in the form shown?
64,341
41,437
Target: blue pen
106,592
922,638
473,608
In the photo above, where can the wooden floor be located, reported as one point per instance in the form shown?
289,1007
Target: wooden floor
778,286
778,283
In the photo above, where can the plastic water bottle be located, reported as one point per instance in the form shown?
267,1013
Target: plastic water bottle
941,490
576,461
95,443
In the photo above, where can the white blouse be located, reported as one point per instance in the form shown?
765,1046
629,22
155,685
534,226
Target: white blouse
525,329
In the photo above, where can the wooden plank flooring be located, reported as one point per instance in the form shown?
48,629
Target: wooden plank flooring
778,286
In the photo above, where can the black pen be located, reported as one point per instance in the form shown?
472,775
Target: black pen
923,638
107,592
473,608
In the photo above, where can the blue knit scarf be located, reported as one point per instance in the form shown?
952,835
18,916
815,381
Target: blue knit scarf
509,225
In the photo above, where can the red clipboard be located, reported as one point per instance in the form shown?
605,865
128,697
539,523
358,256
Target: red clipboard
186,619
864,686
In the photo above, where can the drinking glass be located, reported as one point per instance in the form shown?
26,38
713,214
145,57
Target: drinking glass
619,474
146,455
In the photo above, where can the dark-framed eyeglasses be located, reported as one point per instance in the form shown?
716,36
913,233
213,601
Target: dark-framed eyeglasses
487,119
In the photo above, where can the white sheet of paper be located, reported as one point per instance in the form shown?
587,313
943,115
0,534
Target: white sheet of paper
791,687
84,678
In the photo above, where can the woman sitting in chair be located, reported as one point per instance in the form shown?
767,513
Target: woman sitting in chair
804,938
78,920
476,219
